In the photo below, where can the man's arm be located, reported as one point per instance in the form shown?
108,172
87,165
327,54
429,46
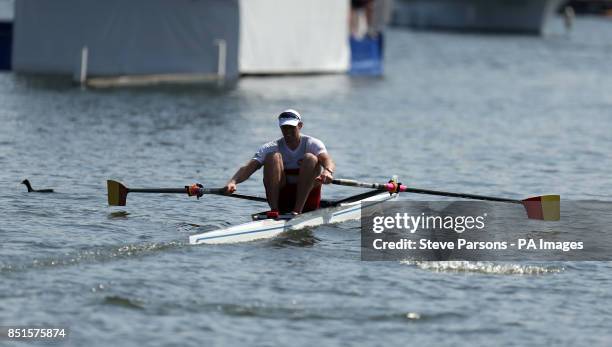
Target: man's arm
328,166
242,175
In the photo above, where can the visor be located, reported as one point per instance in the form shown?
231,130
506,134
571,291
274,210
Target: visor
289,117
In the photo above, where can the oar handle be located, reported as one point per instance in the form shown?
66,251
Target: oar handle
244,197
353,183
218,191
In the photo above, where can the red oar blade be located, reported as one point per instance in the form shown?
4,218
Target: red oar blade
117,193
545,207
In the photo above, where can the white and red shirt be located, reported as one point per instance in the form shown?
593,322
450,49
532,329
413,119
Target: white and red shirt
291,158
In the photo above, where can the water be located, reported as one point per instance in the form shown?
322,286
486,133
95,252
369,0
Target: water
501,115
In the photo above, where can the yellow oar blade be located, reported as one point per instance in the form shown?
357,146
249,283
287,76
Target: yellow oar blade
551,207
117,193
545,207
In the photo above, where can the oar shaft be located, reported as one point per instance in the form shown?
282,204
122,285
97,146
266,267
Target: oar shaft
391,186
457,195
157,190
215,191
174,190
353,183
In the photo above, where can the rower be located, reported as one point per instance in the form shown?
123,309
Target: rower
30,190
295,166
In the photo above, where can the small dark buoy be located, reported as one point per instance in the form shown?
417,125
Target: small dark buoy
30,190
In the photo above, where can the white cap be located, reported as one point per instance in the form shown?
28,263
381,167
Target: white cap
289,117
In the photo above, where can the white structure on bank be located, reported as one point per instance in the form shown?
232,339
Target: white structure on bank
148,41
127,37
294,36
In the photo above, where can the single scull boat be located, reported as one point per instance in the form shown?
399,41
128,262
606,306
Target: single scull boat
342,211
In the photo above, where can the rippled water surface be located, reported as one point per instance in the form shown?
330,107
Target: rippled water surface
500,115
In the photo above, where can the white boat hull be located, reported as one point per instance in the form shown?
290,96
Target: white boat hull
269,228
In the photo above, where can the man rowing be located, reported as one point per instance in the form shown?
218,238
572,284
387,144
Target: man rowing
295,166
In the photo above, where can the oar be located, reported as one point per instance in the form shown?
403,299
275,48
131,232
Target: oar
544,207
117,192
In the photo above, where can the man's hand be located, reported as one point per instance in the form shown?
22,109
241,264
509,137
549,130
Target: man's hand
328,166
325,177
230,187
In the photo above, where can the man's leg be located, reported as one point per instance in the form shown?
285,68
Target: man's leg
274,178
309,170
